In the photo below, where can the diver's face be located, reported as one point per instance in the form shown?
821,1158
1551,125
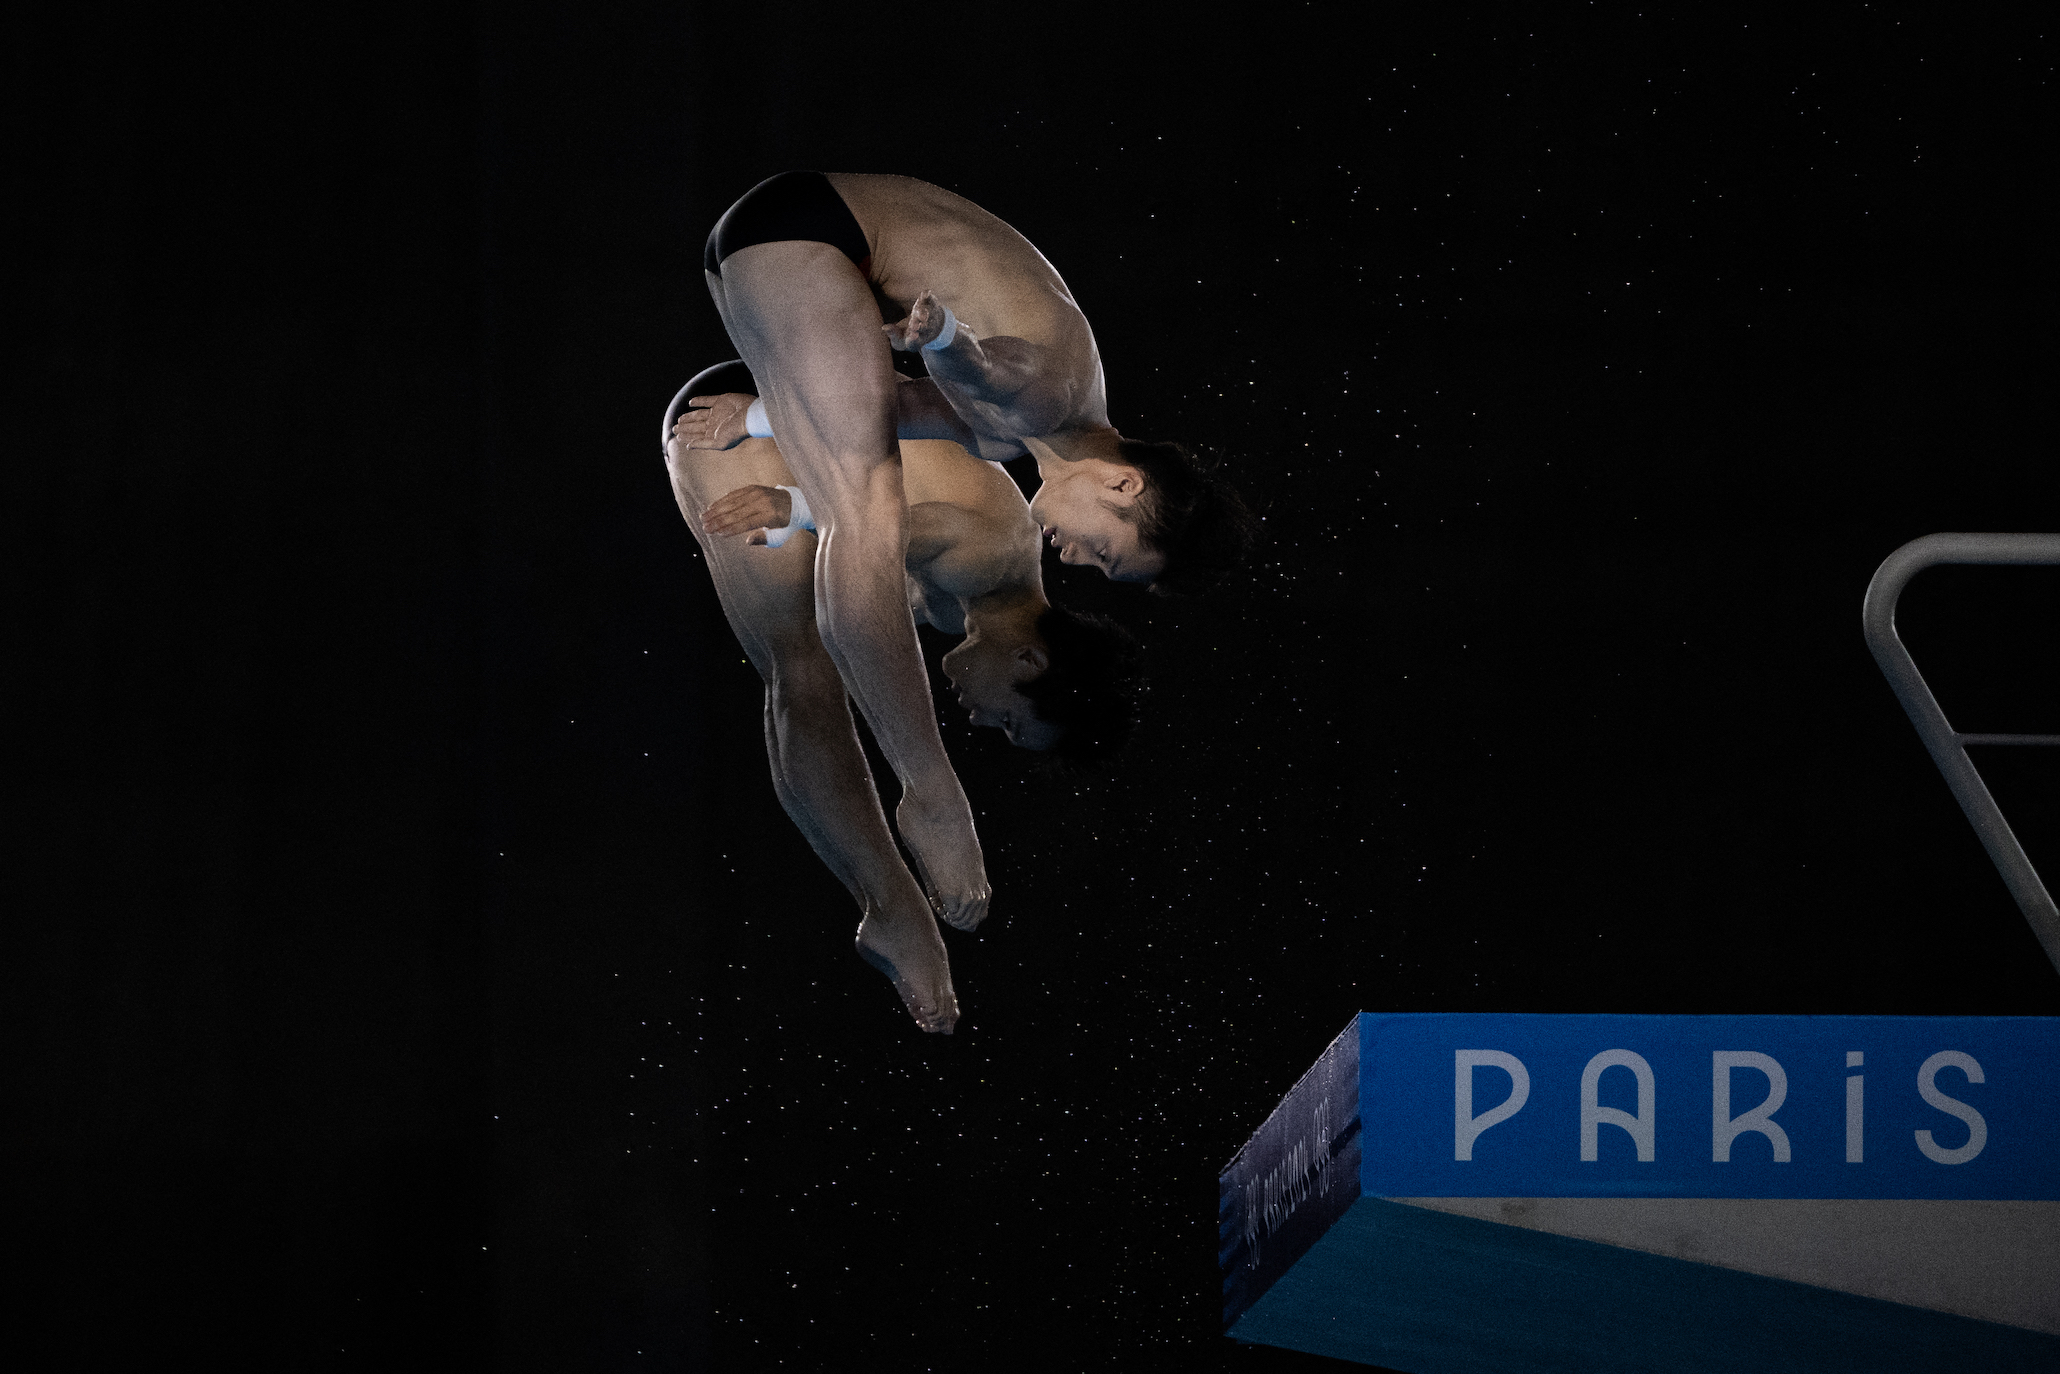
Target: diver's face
986,675
1082,514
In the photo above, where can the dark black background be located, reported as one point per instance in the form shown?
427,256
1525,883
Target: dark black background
414,968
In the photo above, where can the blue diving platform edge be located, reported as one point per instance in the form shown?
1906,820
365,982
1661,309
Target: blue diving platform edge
1754,1128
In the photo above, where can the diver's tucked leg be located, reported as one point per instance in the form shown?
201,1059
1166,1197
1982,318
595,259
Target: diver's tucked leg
818,767
904,945
809,329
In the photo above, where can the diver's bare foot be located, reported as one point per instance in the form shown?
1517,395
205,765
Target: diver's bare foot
939,834
911,953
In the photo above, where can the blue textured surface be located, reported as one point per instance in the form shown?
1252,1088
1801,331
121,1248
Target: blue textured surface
1430,1293
1407,1094
1297,1174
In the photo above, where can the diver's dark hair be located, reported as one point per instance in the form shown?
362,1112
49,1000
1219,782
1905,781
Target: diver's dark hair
1090,687
1190,515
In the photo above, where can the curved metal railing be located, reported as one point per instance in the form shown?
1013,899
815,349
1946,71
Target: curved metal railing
1948,747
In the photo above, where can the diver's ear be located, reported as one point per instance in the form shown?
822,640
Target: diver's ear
1123,480
1033,656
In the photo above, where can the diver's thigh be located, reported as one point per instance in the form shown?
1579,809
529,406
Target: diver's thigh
701,477
768,596
809,328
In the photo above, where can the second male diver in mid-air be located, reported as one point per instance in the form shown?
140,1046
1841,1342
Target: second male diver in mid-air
1052,681
799,269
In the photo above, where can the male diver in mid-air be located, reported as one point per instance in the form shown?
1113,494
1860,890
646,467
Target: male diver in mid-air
1052,681
798,269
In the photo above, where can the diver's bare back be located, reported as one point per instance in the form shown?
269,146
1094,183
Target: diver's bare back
970,532
925,238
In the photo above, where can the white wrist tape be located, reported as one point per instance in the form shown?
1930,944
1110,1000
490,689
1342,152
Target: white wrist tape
943,340
799,517
757,424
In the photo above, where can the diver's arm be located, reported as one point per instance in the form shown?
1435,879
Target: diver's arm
1015,385
922,412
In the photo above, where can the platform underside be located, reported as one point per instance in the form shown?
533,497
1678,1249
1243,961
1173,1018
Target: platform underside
1434,1292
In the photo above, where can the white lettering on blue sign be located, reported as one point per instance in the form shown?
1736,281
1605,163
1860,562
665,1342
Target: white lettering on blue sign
1557,1106
1466,1127
1594,1114
1855,1109
1298,1173
1724,1127
1927,1088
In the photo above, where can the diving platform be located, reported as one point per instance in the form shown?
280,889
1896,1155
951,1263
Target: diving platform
1467,1193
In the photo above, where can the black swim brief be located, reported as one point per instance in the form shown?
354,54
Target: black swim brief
792,205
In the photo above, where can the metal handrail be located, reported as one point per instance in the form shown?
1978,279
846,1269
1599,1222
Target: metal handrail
1948,747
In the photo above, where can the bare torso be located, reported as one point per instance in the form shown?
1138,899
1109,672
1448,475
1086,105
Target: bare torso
925,238
970,532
